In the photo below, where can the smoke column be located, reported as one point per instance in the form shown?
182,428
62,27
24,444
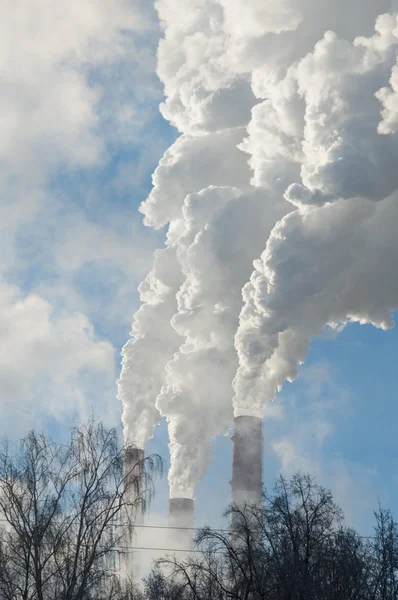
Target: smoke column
247,460
288,115
181,522
333,259
145,355
181,360
133,470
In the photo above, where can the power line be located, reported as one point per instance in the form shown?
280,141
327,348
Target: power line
134,548
162,527
182,528
177,528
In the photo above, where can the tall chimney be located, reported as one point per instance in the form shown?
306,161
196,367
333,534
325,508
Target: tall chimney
181,522
133,471
247,460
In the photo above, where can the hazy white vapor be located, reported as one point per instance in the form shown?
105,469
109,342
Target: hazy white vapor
288,117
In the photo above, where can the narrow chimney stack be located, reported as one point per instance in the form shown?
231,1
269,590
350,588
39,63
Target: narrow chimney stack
133,468
181,522
133,471
246,481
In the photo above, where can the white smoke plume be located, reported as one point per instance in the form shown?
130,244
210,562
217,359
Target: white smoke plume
205,155
332,260
288,115
222,233
145,355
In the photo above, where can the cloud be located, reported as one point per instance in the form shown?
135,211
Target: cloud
43,357
60,68
77,87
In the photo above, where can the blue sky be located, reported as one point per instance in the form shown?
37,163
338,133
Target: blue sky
83,134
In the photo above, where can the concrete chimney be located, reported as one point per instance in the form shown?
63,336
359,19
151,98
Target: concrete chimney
133,471
181,522
246,481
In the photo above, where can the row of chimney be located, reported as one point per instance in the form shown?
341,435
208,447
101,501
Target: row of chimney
246,484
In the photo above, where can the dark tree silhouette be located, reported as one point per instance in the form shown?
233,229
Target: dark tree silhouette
64,516
66,512
293,546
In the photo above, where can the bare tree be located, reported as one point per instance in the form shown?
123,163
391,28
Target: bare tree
159,587
293,546
63,511
383,581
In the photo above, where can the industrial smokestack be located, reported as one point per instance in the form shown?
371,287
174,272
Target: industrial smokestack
181,522
133,471
247,460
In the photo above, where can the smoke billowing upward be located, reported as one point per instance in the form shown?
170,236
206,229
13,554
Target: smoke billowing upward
288,117
332,260
146,354
222,232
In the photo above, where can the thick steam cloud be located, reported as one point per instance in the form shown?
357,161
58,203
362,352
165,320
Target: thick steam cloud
223,231
332,260
288,117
